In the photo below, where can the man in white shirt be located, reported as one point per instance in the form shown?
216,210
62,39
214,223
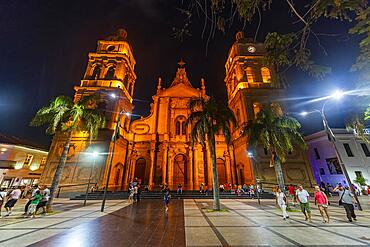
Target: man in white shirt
2,199
303,198
13,198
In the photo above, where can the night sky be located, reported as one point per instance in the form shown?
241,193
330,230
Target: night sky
44,47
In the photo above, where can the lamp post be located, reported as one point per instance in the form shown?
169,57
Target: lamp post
251,158
336,95
114,138
94,155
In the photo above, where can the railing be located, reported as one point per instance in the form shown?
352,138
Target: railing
72,185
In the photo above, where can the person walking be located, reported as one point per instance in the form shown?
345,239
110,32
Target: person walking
322,203
33,193
13,198
282,201
346,200
166,198
35,200
303,199
179,189
3,195
131,194
136,189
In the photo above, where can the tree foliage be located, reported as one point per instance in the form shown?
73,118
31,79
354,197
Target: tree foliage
208,118
275,131
64,115
285,50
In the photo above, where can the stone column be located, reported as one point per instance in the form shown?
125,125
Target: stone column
164,163
228,166
170,168
232,165
152,165
197,160
190,166
128,167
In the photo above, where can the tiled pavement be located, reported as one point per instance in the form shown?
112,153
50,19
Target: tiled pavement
18,231
245,223
188,222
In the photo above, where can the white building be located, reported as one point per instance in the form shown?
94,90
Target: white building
355,154
21,162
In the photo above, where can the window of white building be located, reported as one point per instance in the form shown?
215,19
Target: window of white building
365,149
348,150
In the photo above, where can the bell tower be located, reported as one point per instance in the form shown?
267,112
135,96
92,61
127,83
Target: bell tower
249,87
109,74
248,79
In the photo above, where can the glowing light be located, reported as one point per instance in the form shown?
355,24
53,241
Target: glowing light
3,149
127,114
338,94
95,154
18,166
304,113
250,154
34,167
113,95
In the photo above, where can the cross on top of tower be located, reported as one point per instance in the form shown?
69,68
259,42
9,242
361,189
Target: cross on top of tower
181,63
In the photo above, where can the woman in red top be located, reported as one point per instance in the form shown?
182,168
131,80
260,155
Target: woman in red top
322,202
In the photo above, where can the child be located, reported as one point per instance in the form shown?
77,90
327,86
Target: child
34,202
131,195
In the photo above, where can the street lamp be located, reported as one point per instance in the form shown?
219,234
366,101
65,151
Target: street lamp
114,138
94,155
251,158
338,94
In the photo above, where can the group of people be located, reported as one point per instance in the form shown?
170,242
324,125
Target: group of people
38,198
302,197
134,191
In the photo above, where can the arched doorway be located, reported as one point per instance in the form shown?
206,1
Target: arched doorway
179,170
221,171
140,169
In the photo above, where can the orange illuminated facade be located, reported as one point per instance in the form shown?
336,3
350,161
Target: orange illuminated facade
156,149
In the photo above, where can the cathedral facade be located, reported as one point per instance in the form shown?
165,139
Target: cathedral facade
157,149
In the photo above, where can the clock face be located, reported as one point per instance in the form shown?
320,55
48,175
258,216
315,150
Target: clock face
251,49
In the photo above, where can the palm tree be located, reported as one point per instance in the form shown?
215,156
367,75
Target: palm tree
208,118
63,116
358,125
276,132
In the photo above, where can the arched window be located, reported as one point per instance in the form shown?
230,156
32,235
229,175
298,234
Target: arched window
110,73
266,75
177,127
250,75
96,72
180,125
183,128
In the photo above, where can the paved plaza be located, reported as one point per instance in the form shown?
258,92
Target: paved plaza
189,222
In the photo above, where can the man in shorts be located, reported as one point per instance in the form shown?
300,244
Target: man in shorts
302,197
3,195
13,198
